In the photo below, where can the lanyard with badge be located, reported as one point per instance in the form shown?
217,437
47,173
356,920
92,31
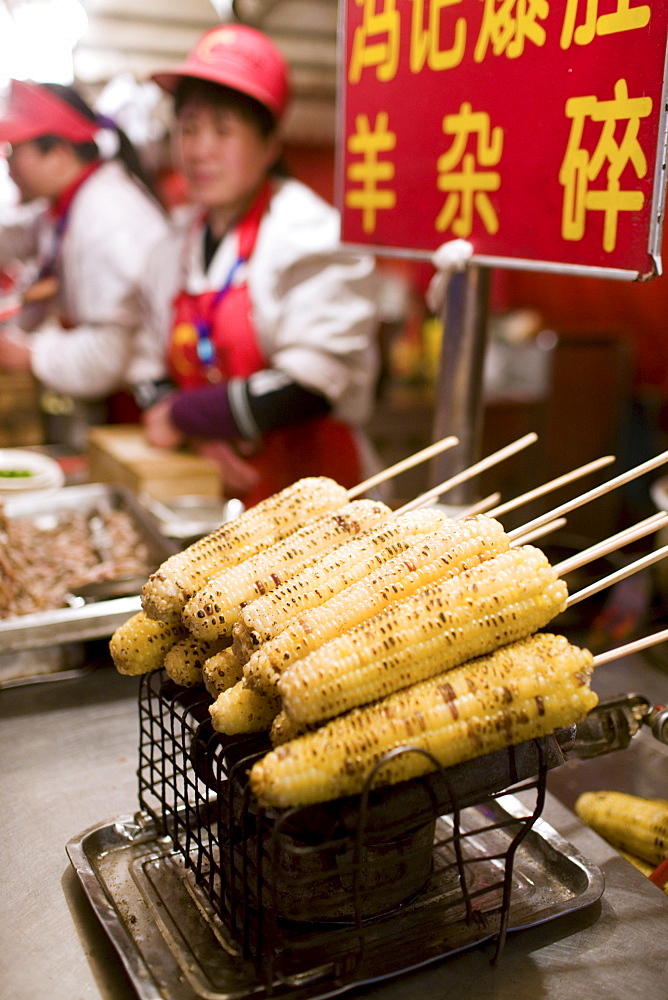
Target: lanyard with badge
204,347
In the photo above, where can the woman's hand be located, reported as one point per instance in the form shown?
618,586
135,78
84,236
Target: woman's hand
15,353
160,430
237,475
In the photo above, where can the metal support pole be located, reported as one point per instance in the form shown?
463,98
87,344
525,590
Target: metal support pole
459,404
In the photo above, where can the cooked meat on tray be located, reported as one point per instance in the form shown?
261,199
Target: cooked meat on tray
43,559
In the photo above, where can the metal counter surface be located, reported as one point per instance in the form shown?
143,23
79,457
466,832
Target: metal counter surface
68,763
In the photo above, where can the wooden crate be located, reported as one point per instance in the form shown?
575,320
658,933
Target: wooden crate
121,455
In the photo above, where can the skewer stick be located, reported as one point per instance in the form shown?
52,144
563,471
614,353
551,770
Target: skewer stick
598,491
620,574
544,529
477,508
614,542
554,484
630,647
403,465
469,473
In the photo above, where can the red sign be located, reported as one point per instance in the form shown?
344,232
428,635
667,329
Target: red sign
533,128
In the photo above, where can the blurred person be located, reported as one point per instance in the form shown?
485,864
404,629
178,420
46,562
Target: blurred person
85,250
269,325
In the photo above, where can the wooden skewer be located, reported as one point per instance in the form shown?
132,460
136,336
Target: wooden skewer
550,520
544,529
403,465
554,484
624,537
477,508
469,473
630,647
620,574
598,491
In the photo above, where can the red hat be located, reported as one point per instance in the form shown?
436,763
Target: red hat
238,57
32,110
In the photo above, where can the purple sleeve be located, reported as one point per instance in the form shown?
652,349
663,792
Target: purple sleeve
204,412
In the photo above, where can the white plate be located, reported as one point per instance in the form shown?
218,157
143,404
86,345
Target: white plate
43,472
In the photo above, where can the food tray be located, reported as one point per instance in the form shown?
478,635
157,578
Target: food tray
174,948
94,620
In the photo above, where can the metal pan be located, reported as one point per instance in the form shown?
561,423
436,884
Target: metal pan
100,617
170,943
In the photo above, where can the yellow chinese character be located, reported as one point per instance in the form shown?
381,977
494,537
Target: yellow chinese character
624,18
469,186
383,51
506,24
580,168
371,171
425,42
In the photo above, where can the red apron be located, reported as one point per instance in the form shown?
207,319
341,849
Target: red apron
120,406
213,338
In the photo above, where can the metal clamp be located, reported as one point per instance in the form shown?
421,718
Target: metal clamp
657,720
613,724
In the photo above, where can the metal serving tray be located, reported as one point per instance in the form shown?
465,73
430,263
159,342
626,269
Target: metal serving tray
173,947
95,620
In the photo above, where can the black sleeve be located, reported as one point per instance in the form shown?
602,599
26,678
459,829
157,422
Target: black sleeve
270,399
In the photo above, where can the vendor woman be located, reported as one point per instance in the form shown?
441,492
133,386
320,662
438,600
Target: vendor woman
269,324
78,256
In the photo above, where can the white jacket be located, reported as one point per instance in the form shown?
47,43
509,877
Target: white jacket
313,302
112,227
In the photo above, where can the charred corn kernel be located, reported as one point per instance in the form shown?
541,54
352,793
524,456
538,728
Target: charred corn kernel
519,692
214,609
283,728
140,645
242,641
438,627
266,616
221,671
184,661
242,710
166,591
634,824
454,547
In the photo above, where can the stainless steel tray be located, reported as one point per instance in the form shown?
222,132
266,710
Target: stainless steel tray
174,948
91,621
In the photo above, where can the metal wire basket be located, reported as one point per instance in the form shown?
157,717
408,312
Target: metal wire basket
320,891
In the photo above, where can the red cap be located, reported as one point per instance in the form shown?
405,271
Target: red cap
32,111
238,57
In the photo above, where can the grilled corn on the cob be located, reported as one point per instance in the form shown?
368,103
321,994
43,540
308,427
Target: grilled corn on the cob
180,576
438,627
454,547
140,644
519,692
266,616
214,609
184,661
283,728
633,824
221,671
239,709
